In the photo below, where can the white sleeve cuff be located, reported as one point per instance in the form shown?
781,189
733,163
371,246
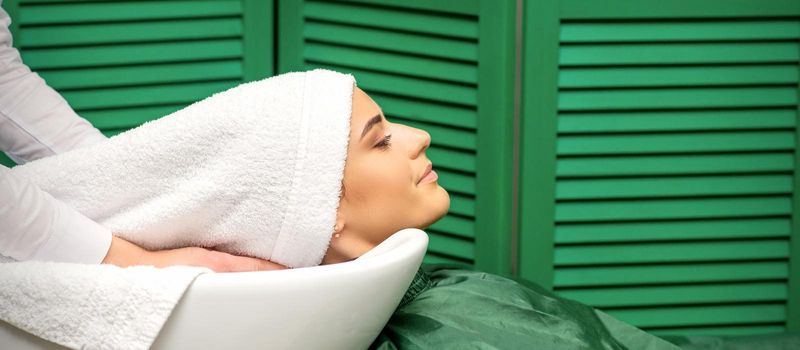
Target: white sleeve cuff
75,239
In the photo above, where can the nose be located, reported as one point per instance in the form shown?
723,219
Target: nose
423,141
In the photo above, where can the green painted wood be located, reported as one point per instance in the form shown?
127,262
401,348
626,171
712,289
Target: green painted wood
148,53
439,68
677,142
656,209
793,302
388,18
673,187
625,9
12,8
122,63
83,12
429,112
675,154
463,205
496,108
686,76
679,294
258,18
679,53
537,142
122,118
673,230
116,33
672,31
453,246
105,77
729,163
455,225
453,159
447,7
620,121
144,96
655,274
395,63
697,315
377,39
722,331
670,252
678,98
402,86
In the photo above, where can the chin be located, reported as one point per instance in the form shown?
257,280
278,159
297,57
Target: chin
440,205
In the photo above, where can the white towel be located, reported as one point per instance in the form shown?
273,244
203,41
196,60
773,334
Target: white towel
255,170
91,306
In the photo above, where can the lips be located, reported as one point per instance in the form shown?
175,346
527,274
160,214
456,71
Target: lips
428,169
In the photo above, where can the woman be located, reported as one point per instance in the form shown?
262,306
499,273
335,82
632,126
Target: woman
304,169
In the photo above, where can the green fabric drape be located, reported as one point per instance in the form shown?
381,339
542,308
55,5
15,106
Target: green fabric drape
448,307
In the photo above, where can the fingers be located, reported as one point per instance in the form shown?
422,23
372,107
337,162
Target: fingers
224,262
215,260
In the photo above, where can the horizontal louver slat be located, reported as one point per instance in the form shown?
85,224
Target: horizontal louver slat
679,31
672,230
673,186
734,163
118,33
419,22
139,75
619,121
692,294
391,41
391,62
657,209
679,53
669,273
143,96
671,252
149,53
668,76
124,11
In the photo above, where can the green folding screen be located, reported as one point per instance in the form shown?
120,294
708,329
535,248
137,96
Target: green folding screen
658,160
443,66
121,63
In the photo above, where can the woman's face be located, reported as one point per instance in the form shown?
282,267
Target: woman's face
382,189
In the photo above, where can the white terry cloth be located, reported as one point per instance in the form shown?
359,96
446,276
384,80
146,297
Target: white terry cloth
91,306
255,170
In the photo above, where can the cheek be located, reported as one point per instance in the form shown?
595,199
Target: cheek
381,179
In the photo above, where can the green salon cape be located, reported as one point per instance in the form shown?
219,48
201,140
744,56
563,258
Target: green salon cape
448,307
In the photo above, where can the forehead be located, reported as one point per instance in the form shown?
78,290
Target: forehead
363,109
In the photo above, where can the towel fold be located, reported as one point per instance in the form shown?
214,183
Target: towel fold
91,306
255,170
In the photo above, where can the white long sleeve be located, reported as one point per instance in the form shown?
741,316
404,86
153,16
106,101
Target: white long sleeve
35,122
37,226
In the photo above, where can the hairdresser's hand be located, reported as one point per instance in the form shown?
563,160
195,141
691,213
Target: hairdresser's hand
123,253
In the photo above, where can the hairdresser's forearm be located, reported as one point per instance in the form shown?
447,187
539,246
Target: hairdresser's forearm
123,253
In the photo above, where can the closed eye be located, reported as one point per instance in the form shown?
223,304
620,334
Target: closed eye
385,142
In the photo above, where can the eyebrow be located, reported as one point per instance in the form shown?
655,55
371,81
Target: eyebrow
370,123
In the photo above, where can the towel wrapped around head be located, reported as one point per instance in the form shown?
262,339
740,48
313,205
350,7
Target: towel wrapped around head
255,170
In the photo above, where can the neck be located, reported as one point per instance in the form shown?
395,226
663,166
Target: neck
345,248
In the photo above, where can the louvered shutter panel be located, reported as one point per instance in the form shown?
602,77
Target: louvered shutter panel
674,170
419,60
122,63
